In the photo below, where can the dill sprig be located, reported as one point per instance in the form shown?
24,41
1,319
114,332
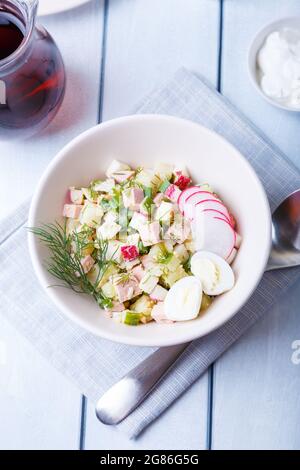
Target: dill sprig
65,263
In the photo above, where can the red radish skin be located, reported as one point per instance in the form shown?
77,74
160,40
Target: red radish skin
215,205
182,181
234,234
185,194
193,199
220,214
232,256
205,193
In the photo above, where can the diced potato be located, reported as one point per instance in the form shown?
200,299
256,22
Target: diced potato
108,230
190,245
113,252
89,194
143,305
155,270
156,250
93,275
148,283
165,212
76,195
71,225
115,167
108,290
206,302
181,252
173,264
111,216
159,293
91,214
169,278
169,244
137,221
164,170
104,186
149,179
110,271
133,239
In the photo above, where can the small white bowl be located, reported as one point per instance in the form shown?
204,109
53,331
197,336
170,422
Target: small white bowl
293,22
142,140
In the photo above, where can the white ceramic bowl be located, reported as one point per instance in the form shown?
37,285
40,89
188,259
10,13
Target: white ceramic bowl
292,22
144,140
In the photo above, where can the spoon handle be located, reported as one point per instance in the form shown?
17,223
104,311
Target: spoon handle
125,395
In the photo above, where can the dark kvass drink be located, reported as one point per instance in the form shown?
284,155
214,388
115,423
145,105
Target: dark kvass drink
32,77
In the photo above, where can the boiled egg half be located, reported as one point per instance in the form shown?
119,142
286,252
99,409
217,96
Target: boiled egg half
214,272
183,300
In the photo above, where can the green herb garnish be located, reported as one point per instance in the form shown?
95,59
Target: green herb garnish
143,250
65,265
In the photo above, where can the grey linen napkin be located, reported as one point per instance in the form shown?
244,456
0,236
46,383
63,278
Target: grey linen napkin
95,364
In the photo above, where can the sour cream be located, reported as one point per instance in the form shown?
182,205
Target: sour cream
278,64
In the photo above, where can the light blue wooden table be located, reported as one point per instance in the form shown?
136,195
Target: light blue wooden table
116,51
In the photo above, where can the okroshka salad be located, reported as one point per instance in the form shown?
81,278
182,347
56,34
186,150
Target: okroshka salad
146,244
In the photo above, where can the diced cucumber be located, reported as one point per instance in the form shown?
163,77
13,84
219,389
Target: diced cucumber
131,318
148,191
165,184
206,302
143,250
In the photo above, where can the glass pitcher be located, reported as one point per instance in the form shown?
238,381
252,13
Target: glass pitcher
32,75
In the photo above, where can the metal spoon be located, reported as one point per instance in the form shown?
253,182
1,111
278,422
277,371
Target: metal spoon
125,396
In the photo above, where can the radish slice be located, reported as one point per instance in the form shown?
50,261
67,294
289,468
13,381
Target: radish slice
200,196
238,240
185,194
213,233
215,205
193,199
231,257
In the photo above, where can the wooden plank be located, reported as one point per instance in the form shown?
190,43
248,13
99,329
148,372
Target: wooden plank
256,391
182,426
146,43
39,408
